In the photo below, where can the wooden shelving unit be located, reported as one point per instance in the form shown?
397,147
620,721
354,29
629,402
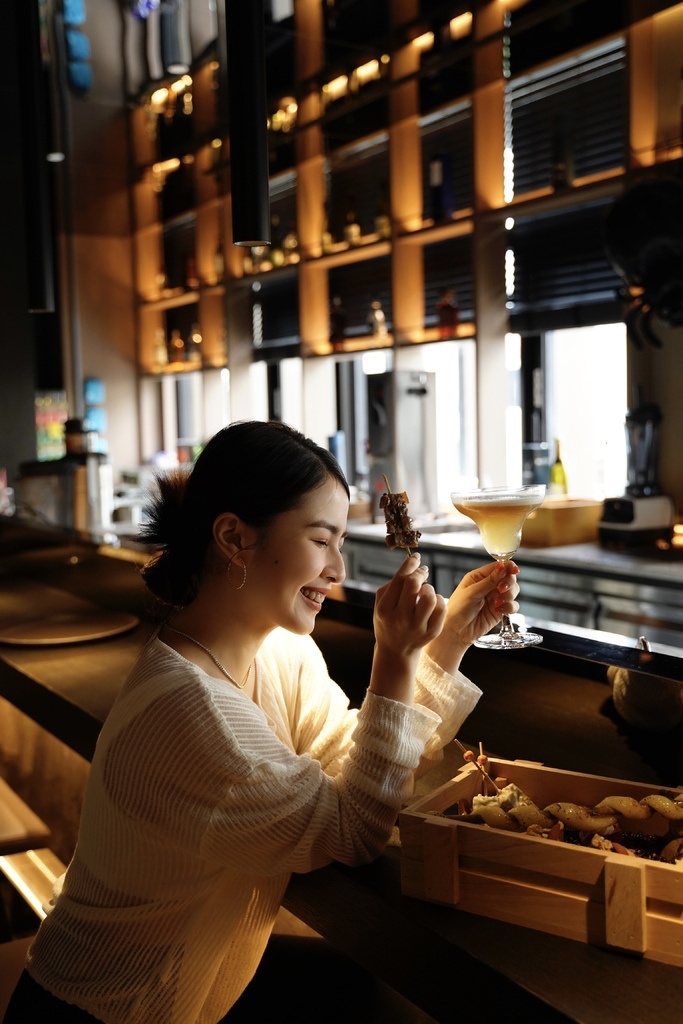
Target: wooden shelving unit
416,83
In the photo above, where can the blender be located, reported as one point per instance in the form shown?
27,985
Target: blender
643,516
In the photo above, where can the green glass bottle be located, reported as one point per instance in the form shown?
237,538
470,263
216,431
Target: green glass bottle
557,479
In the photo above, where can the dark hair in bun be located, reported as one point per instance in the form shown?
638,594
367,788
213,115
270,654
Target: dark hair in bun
255,469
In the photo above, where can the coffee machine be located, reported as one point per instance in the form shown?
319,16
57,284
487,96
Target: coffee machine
643,515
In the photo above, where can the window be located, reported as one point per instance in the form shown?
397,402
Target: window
586,404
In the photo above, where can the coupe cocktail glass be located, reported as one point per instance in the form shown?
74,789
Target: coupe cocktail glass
499,512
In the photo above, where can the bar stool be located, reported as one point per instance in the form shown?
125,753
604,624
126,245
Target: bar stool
12,957
21,830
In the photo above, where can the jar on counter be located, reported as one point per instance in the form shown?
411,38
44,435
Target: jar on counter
78,440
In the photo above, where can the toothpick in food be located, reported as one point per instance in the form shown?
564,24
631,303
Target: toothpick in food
469,756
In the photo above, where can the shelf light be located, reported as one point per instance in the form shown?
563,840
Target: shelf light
368,72
461,26
181,84
164,167
424,42
335,89
284,118
158,100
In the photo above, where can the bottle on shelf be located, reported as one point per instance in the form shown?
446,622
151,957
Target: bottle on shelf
176,347
191,275
440,187
160,358
382,214
219,262
447,313
290,244
337,324
327,238
377,320
276,253
161,280
557,477
352,232
193,347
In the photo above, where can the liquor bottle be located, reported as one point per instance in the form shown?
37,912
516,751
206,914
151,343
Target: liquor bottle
440,187
176,347
160,360
191,276
352,232
557,479
276,253
447,313
337,324
219,262
382,215
290,244
377,320
327,238
194,352
161,280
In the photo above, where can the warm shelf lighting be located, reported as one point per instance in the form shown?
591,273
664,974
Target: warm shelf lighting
337,88
424,42
158,100
368,72
461,26
165,167
181,84
284,118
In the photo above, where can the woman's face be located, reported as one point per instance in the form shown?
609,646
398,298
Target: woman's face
299,558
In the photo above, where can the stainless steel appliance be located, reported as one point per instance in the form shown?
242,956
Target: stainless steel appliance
76,492
643,515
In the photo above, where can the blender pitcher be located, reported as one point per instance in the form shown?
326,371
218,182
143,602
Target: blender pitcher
642,448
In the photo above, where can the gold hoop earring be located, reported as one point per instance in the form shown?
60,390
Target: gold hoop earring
244,573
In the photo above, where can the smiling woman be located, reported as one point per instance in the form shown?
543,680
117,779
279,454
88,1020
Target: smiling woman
230,758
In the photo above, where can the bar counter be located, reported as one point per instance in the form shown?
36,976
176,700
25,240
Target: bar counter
543,705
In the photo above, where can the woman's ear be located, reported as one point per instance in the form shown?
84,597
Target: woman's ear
227,530
232,534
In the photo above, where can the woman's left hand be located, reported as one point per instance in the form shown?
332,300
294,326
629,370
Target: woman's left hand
474,607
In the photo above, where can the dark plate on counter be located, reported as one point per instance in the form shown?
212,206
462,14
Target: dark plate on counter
75,627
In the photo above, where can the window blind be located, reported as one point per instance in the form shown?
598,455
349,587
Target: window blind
357,176
569,119
358,285
449,265
562,275
449,133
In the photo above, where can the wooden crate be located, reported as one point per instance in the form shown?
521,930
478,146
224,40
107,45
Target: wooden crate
560,521
590,895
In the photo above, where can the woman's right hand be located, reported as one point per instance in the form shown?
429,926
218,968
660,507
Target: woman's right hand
408,614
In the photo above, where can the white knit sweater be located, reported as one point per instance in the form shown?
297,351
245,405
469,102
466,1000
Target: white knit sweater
202,802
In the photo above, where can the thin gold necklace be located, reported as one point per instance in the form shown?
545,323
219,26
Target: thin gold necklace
213,657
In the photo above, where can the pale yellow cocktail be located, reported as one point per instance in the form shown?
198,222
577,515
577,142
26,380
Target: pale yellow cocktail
500,512
500,521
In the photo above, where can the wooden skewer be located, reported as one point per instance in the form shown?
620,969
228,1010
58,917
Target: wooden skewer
477,765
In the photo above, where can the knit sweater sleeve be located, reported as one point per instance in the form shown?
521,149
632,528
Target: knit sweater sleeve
197,765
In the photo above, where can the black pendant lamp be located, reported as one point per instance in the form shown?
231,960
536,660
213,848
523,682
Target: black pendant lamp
248,116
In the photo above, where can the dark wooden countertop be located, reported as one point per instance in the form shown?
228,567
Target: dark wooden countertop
554,709
458,966
658,567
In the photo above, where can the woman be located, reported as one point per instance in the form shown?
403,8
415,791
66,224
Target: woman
230,759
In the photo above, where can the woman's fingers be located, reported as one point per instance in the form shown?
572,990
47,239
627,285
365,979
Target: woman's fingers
408,610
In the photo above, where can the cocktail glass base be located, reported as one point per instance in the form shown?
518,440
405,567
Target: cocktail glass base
508,641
